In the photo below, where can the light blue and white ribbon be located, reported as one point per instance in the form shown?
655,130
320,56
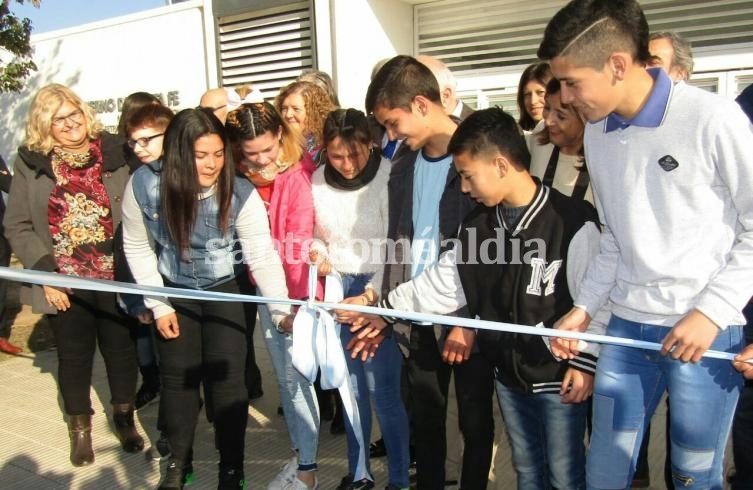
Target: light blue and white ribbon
59,280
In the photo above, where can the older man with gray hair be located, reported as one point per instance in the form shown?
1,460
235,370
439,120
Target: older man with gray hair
447,86
671,52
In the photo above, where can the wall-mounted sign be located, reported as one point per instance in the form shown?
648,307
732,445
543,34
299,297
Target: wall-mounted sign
105,106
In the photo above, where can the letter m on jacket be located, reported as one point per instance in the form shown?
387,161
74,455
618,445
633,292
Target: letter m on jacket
543,274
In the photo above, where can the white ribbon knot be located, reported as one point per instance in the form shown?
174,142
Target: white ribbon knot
317,346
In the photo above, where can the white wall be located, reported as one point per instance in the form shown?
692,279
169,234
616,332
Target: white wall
362,33
160,51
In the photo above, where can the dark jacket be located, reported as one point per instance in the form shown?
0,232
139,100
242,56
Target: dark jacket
526,288
26,223
453,207
5,180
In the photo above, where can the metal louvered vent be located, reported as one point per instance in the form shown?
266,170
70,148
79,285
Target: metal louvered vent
474,37
703,22
268,48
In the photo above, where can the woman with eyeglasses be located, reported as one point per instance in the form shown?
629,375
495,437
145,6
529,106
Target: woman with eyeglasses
145,130
271,155
63,208
132,103
350,202
190,223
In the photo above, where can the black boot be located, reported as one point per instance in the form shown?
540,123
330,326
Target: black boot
125,428
80,432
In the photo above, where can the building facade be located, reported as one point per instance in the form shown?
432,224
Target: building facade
180,50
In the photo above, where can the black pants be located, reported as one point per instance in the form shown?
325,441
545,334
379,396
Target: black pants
211,348
428,380
742,424
4,261
93,318
253,373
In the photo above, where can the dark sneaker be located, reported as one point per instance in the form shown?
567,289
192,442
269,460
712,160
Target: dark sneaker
175,475
189,476
347,483
364,484
377,449
161,449
231,479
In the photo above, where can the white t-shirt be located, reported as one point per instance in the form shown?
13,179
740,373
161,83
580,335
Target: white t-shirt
566,174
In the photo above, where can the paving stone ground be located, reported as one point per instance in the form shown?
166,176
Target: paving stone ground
34,439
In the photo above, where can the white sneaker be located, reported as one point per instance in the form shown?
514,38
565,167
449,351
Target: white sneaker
287,474
297,484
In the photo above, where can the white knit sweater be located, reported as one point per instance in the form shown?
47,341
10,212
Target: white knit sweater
353,224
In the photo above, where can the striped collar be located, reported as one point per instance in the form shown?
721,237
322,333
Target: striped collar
653,111
534,208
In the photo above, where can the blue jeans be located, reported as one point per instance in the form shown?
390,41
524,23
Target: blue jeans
629,384
145,349
377,379
297,395
546,437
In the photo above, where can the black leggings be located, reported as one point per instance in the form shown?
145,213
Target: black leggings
93,318
211,348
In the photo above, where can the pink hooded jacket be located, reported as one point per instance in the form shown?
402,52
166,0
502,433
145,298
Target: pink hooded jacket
291,221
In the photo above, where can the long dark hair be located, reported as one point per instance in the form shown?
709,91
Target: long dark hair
351,126
538,72
179,185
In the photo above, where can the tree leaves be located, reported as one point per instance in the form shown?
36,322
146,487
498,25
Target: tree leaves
15,48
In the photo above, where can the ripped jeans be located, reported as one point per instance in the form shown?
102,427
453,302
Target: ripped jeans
628,386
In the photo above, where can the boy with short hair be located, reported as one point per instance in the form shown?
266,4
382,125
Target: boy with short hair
516,257
426,206
671,166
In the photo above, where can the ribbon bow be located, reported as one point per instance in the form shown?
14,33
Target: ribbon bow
316,346
234,100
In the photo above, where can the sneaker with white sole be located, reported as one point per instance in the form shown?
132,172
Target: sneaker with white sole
160,450
287,474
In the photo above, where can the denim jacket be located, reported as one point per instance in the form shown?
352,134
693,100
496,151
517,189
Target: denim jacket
213,257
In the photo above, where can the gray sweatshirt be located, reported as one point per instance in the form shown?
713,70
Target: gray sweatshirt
677,210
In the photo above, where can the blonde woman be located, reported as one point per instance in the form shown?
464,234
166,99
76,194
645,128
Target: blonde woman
63,208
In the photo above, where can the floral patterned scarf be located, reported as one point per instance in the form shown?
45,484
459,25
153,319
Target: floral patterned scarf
79,214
